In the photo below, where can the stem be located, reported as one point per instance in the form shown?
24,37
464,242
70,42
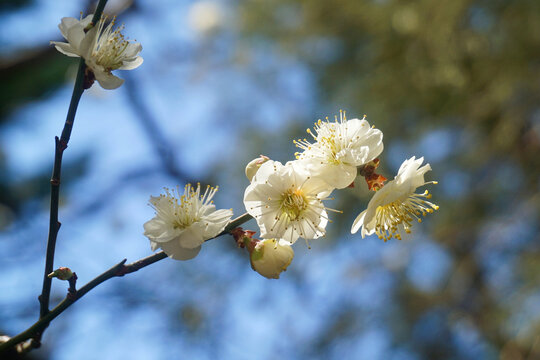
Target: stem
44,321
61,145
54,224
234,224
117,270
99,10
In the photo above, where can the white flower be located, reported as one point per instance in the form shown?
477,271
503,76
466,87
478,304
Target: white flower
393,208
102,48
270,257
182,225
287,202
339,147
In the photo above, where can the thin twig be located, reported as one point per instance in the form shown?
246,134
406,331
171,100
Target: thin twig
60,145
54,224
117,270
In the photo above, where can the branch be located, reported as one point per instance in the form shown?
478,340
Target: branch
61,145
117,270
54,224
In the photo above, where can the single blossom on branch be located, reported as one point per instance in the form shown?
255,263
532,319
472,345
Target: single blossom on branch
102,48
394,207
287,201
184,221
340,147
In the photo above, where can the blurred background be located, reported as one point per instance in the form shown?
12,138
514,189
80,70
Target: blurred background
457,82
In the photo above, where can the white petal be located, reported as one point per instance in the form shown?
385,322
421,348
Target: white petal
107,80
268,168
86,47
75,36
192,236
132,50
130,65
315,223
87,20
337,176
318,186
157,230
216,222
375,144
65,24
369,227
65,48
409,166
358,222
290,235
154,245
256,195
174,250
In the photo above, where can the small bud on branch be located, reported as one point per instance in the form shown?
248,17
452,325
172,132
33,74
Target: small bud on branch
62,273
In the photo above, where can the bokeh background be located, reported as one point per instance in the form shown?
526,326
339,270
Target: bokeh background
457,82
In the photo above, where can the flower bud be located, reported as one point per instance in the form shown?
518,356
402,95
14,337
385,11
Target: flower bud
270,257
254,165
62,273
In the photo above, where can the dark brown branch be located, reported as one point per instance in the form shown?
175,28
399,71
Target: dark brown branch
54,225
60,145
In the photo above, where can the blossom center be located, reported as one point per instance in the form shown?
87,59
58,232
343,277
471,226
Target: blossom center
402,213
332,146
189,207
333,141
293,203
110,46
184,216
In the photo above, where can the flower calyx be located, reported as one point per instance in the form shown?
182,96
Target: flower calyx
244,238
374,181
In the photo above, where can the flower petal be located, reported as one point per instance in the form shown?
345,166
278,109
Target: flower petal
193,236
133,64
65,24
65,48
107,80
157,230
358,222
86,47
175,251
87,20
75,35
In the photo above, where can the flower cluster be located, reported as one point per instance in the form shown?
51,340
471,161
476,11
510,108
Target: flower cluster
288,201
102,48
